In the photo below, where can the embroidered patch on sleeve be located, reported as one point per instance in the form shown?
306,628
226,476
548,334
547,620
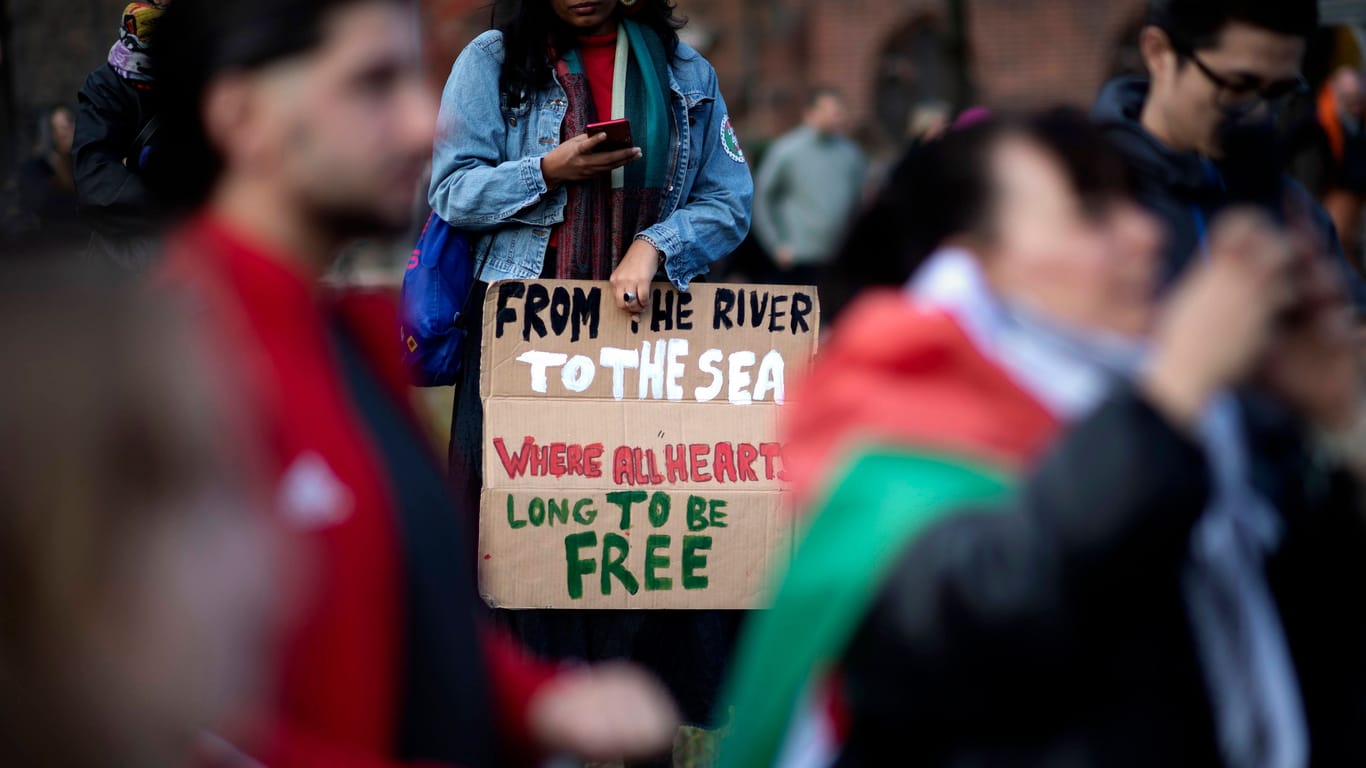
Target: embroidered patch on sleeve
730,142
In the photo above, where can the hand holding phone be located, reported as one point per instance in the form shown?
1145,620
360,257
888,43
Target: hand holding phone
586,156
618,135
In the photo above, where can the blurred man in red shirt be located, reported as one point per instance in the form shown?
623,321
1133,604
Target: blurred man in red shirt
295,126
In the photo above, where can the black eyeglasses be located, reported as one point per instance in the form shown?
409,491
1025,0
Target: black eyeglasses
1242,98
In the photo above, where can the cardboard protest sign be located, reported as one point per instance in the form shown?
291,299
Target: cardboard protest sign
636,465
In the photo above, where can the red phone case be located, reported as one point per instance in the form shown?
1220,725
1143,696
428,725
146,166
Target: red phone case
618,134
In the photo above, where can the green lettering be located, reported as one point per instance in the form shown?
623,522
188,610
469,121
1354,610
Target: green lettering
718,518
657,562
694,561
578,565
625,500
537,512
659,509
559,511
513,522
585,516
697,513
615,547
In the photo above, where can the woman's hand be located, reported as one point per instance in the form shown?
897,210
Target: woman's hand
1218,321
578,159
634,275
604,713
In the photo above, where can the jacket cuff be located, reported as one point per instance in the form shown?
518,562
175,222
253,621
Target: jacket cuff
671,246
535,180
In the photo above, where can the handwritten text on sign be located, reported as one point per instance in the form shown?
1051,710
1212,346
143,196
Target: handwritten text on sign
635,464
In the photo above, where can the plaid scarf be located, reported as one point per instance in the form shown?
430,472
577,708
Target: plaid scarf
604,215
130,56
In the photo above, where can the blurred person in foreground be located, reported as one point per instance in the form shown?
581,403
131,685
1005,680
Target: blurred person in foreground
115,144
296,133
1199,130
44,212
139,579
810,184
1342,119
1037,540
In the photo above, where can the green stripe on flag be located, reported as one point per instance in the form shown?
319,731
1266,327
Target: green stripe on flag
886,499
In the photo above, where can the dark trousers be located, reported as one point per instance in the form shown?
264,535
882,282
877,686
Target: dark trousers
688,650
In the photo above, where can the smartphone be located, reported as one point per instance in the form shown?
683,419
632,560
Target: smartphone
618,135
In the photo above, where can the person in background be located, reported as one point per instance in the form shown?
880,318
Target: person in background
810,184
1024,513
296,134
1341,111
114,152
140,580
1199,129
44,209
514,167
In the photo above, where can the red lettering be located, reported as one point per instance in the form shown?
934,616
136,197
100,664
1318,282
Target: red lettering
698,460
574,460
655,477
746,454
676,463
556,460
771,453
723,459
516,464
622,471
638,459
538,461
592,456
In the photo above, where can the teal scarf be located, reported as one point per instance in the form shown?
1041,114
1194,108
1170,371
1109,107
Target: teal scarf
604,215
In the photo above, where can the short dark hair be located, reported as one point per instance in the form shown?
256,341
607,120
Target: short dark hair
198,41
946,188
1197,24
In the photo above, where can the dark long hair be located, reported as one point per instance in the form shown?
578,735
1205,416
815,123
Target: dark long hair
532,29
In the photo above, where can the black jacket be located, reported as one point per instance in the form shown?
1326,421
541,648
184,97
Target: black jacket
1175,185
1055,632
114,196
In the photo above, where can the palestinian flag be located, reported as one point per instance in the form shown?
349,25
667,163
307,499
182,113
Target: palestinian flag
920,406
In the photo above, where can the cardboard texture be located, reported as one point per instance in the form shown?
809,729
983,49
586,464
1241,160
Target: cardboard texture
636,465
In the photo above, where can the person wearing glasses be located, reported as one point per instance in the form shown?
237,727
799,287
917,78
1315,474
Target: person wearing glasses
1198,130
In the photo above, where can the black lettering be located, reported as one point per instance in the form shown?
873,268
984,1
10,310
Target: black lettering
725,304
801,309
506,314
684,314
559,310
757,307
662,311
537,300
776,314
587,311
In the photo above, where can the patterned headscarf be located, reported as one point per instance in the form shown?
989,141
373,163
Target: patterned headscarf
130,56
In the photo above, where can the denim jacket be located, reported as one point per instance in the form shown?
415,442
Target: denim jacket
486,169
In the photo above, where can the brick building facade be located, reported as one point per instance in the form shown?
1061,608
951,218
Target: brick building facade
885,54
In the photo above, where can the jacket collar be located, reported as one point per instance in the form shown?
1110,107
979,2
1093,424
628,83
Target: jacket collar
1119,110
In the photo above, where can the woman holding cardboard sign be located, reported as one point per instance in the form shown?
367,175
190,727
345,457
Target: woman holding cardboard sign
582,140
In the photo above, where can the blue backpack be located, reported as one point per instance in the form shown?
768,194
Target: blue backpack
438,285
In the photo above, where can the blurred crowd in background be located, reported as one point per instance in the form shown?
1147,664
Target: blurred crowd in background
1079,466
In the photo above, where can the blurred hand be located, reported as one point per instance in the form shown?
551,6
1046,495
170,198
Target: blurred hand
634,275
578,159
1218,321
605,713
786,257
1312,364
